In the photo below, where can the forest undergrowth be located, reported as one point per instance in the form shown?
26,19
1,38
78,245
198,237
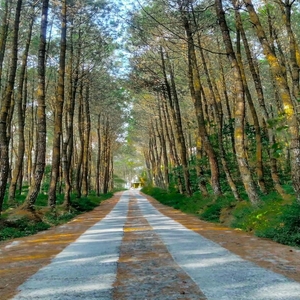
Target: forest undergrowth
16,222
274,217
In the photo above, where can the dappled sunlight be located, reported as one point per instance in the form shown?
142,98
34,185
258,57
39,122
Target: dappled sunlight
211,262
87,288
73,259
287,290
95,231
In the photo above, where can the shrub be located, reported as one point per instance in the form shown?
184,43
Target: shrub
213,209
21,227
89,203
286,226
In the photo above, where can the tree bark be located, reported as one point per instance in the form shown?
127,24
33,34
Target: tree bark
176,114
80,121
6,107
67,148
86,144
98,163
195,90
284,93
41,115
21,108
239,131
58,113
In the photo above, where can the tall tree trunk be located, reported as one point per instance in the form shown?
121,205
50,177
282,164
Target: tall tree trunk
6,107
219,121
195,90
3,34
148,167
175,110
239,131
180,135
164,145
17,172
98,163
199,168
23,170
283,90
86,145
58,113
261,101
41,115
286,11
258,137
80,121
106,150
172,142
67,148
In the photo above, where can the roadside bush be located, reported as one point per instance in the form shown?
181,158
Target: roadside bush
240,214
212,211
286,226
21,227
58,218
171,199
85,204
207,207
14,226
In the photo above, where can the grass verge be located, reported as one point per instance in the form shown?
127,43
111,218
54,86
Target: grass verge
274,218
15,223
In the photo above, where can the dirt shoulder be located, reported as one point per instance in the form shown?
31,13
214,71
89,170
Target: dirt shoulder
21,258
279,258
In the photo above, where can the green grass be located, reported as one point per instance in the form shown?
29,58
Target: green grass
206,207
13,226
21,227
273,218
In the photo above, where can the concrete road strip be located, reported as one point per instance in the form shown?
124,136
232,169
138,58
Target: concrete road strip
86,269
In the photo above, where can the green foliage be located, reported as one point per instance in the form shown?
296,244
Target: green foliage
286,226
273,219
25,226
212,211
89,203
21,227
206,207
119,183
240,213
172,198
46,180
58,218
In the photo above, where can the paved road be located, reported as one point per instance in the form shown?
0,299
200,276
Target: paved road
88,268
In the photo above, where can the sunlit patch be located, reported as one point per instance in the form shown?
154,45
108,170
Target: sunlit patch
288,109
286,290
130,229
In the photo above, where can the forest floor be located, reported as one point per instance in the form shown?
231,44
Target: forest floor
146,267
